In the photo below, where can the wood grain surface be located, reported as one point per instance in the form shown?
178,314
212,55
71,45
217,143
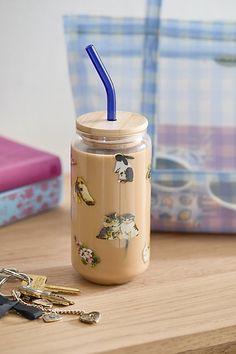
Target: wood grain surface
184,303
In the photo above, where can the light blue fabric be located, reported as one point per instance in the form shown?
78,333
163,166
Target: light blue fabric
181,75
170,86
197,73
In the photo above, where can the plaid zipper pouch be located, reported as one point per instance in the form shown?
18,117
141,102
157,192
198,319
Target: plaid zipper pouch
194,186
181,76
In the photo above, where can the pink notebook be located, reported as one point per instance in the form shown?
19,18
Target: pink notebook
22,165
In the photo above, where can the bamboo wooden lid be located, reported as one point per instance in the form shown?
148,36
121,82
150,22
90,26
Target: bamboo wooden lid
127,123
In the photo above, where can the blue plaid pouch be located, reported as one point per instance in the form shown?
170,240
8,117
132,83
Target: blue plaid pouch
181,76
194,183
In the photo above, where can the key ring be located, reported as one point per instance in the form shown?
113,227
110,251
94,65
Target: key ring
4,276
16,274
12,273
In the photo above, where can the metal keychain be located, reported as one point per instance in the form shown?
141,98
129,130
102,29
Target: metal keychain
52,315
48,314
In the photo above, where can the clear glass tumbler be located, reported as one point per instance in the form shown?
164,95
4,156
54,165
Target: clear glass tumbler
110,201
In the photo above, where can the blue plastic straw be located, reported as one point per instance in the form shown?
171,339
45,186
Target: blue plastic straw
107,82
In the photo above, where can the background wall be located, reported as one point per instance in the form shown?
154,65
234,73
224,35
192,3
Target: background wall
36,105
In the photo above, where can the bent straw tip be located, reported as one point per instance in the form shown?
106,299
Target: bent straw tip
102,72
89,46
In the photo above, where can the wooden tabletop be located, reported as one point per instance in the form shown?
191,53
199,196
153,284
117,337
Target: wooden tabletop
184,303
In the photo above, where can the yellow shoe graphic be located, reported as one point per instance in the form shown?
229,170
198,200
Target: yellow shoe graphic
82,192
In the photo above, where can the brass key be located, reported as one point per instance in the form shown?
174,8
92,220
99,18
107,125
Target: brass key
42,294
62,289
40,282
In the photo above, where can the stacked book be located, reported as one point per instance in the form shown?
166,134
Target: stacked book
30,181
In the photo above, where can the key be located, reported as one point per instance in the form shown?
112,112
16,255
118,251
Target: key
62,289
42,294
40,282
43,302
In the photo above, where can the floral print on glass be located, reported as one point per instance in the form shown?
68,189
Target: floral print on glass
87,256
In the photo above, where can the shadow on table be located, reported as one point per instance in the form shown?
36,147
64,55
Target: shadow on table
67,276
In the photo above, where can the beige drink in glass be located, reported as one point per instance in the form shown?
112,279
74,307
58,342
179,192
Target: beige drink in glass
110,201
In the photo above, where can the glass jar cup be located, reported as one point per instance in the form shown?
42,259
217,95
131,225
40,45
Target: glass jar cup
110,201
